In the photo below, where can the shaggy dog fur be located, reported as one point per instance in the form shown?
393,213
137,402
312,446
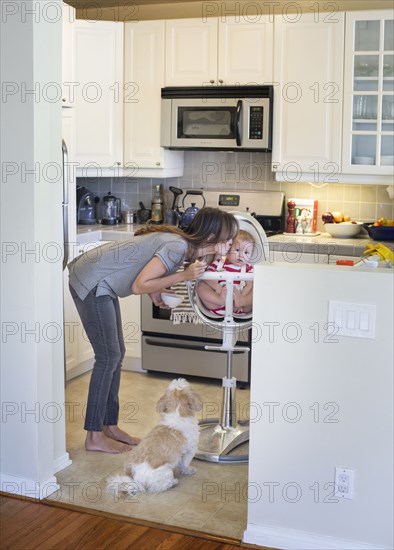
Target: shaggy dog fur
171,444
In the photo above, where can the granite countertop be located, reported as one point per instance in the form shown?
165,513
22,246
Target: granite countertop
320,244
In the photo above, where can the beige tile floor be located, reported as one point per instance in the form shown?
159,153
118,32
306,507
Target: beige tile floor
213,501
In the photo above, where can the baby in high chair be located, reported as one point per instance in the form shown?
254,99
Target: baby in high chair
213,293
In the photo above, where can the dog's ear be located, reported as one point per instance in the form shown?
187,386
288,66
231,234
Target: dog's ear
162,404
189,403
195,401
167,403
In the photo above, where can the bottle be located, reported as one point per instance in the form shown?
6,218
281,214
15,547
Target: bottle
157,205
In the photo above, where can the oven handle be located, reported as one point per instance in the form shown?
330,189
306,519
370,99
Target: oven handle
160,344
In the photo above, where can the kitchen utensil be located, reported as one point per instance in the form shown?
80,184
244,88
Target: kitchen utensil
188,215
171,299
380,232
111,210
176,192
143,214
344,230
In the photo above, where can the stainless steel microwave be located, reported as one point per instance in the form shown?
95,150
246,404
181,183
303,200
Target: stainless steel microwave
228,118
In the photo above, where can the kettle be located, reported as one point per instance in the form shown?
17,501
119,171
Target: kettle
188,215
111,210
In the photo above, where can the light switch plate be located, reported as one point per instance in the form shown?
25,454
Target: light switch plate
354,320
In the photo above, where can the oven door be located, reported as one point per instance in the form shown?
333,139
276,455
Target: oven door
181,348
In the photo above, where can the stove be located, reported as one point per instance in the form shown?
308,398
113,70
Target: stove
268,207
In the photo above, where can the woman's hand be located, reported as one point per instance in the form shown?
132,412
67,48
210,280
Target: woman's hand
195,270
156,299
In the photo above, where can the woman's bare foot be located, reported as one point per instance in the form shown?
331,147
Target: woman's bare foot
114,432
98,441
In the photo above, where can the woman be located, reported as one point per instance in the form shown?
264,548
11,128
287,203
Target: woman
146,264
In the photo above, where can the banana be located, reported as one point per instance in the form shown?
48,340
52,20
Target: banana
380,249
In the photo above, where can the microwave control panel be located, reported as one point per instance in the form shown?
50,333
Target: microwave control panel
256,122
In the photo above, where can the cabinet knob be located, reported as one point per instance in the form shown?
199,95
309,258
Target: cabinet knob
118,163
221,81
64,99
274,166
157,163
212,81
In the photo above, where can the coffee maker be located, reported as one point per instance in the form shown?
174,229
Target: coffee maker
86,211
111,214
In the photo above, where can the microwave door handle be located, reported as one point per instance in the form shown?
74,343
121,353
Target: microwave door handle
237,122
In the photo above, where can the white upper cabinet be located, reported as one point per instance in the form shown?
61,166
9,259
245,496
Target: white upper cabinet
233,51
99,94
245,53
308,76
368,128
191,52
68,74
143,80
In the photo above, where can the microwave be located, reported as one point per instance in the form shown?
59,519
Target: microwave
228,118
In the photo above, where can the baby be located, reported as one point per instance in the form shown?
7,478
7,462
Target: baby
213,293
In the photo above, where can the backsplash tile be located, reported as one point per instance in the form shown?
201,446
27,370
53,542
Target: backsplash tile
248,172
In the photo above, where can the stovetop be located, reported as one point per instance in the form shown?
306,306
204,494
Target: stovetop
262,203
266,206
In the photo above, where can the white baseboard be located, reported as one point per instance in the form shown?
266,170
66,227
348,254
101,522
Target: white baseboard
28,487
289,539
61,462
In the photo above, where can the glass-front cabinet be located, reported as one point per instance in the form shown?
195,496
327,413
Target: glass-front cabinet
368,129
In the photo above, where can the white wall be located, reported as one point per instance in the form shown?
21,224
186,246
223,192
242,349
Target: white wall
298,371
32,379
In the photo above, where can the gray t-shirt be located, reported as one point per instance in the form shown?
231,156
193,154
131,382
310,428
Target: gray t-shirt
113,267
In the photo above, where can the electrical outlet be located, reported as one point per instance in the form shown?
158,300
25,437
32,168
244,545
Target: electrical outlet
344,478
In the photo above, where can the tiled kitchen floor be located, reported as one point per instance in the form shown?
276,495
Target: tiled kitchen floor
213,501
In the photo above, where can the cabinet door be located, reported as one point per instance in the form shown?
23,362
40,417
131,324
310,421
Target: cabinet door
308,70
368,129
191,52
245,51
99,93
144,78
68,76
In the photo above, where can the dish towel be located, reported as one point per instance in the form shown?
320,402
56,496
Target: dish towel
184,313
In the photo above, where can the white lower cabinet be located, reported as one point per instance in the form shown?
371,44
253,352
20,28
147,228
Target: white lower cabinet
308,74
78,350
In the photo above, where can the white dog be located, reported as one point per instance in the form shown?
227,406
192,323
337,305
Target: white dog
171,444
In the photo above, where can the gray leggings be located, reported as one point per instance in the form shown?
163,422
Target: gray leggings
101,319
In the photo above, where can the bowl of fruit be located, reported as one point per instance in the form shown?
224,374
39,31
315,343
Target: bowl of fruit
340,226
382,230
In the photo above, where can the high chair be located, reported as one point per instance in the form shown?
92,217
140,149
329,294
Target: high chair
218,437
